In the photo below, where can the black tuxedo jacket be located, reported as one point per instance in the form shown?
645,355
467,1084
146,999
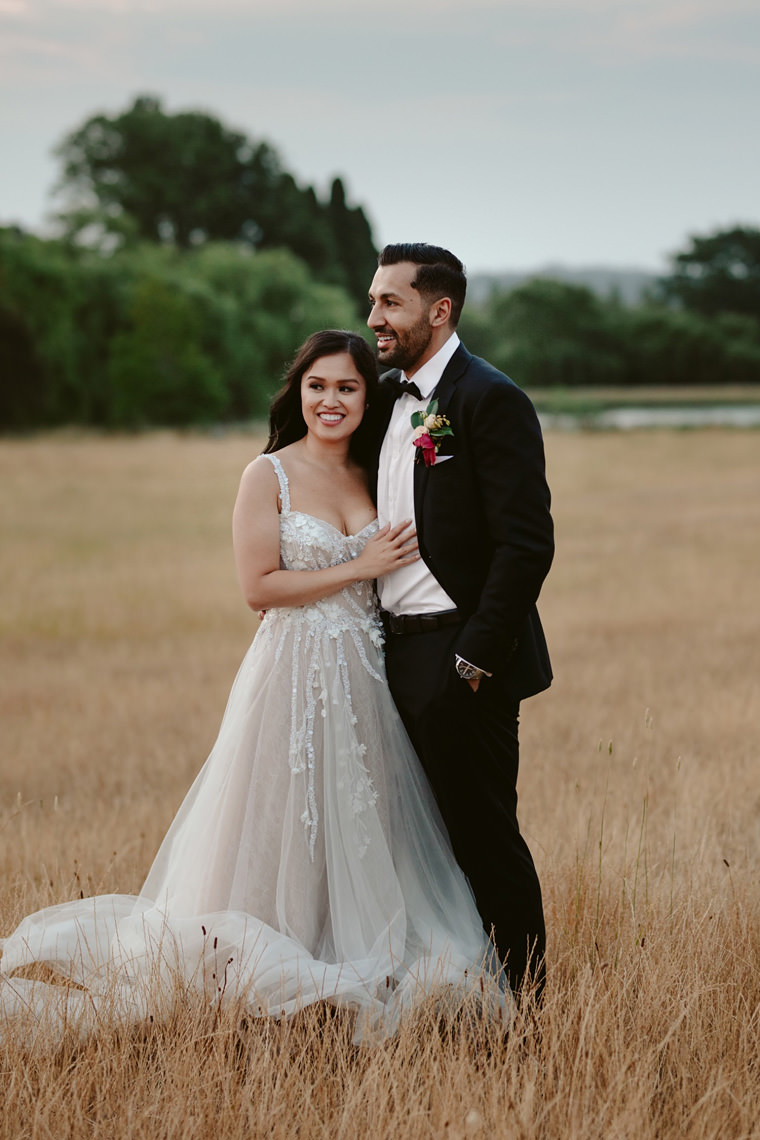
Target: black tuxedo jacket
483,521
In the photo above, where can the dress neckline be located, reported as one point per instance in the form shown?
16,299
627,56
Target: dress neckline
332,526
282,479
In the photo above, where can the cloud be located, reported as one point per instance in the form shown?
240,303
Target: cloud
692,29
651,12
653,28
16,50
655,12
41,9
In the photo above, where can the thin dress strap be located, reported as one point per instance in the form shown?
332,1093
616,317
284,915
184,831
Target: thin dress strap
282,479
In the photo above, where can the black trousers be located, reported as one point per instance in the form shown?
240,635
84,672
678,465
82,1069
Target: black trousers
467,743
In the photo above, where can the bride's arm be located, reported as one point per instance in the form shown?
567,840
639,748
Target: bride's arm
256,539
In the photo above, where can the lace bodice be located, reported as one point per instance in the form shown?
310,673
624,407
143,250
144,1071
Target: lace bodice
319,632
308,542
311,543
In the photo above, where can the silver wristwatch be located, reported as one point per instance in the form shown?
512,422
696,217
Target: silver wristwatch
469,672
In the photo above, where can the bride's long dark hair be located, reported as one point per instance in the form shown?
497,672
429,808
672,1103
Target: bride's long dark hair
286,422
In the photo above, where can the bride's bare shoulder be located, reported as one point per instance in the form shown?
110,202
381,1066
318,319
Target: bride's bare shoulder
259,479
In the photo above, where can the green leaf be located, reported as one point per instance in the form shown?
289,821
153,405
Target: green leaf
418,418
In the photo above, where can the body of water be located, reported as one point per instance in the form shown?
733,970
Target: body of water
629,419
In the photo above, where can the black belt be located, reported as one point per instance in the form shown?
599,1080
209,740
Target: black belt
419,623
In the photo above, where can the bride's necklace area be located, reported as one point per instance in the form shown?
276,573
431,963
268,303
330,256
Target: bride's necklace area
321,510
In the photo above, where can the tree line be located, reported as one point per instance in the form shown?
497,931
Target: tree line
151,335
189,264
699,325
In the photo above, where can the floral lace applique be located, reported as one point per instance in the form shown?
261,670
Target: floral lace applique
320,631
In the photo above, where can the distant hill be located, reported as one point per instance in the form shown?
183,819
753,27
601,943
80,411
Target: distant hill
629,284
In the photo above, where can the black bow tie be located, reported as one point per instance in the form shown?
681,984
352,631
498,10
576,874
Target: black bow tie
401,386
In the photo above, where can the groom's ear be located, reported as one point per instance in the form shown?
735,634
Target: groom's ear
440,312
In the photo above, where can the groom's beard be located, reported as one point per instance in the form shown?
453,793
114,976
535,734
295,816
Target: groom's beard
407,347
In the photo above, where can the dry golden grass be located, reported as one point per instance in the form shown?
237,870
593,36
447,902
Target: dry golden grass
122,630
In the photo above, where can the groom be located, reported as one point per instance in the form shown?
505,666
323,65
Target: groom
464,643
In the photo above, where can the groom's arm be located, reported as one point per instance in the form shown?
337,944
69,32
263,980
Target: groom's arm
508,451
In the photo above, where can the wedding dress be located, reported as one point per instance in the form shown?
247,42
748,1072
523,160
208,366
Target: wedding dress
307,862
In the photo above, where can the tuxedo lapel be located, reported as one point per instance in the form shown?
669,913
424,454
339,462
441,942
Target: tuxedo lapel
386,398
452,374
444,389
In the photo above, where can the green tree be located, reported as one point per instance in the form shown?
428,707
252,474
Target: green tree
152,333
59,311
22,401
662,346
185,178
208,331
158,371
353,238
717,273
173,178
549,332
268,303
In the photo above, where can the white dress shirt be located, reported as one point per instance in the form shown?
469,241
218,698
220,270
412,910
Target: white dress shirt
412,589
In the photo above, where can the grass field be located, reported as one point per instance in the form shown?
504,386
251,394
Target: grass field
122,629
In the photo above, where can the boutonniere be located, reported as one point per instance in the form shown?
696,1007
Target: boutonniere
430,430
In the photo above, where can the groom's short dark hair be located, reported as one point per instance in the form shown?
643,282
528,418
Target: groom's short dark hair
439,272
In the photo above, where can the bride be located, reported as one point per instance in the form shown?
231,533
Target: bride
308,860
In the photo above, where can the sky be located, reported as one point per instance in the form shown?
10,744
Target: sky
517,134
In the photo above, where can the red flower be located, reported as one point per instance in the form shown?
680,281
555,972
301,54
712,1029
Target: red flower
427,446
429,431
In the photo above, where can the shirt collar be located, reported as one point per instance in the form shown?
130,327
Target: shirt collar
431,372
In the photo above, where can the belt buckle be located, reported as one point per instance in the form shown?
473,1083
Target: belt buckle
396,623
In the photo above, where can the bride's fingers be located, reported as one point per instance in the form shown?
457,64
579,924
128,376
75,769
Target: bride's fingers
397,546
408,554
396,533
405,545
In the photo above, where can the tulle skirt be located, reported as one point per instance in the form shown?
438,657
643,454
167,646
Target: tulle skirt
308,862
